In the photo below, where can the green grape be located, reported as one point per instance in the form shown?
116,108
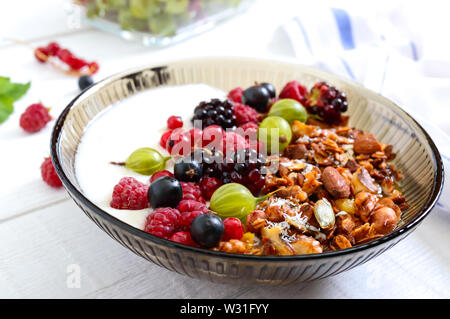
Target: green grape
234,200
275,132
176,6
101,5
162,24
139,8
116,4
91,10
128,22
289,109
146,161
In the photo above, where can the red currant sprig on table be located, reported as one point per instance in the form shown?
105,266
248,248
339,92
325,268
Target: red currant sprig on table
76,65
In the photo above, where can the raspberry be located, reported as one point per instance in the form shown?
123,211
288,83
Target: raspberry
233,142
188,205
192,191
209,186
49,174
174,122
129,194
245,114
294,90
235,95
250,130
163,222
233,229
187,218
183,237
34,118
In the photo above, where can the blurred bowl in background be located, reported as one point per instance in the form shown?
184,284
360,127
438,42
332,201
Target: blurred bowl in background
157,22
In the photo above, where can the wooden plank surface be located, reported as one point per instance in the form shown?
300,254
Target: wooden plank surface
38,248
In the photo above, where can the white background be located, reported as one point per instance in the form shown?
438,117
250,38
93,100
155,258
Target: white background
44,237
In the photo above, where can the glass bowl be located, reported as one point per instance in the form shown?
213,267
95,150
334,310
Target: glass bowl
417,157
157,22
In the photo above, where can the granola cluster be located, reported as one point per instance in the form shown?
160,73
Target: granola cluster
336,189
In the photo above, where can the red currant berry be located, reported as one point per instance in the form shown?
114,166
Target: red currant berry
64,55
53,48
41,54
178,143
93,67
209,186
174,122
233,229
76,63
164,138
160,174
195,135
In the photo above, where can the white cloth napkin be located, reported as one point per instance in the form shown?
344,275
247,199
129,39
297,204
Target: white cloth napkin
379,49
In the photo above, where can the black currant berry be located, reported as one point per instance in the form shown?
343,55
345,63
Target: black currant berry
207,230
187,170
165,192
270,88
84,82
257,97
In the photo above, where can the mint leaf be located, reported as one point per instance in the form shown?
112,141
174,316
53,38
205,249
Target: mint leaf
17,90
6,107
10,92
5,84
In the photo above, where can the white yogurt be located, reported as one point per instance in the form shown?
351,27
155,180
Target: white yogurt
136,122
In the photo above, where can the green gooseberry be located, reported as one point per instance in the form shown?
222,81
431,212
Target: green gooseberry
275,131
290,110
146,161
234,200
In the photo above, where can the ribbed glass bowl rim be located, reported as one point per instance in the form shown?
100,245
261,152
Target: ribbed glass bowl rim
431,202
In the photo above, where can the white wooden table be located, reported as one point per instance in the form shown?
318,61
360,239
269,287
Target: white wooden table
45,237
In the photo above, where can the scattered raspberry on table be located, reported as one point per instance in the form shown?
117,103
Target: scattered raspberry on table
35,118
48,173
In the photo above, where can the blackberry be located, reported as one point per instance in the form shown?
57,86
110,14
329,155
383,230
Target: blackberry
215,112
327,102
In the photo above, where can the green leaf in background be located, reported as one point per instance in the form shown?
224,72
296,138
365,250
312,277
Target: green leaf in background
6,107
5,84
18,90
10,92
